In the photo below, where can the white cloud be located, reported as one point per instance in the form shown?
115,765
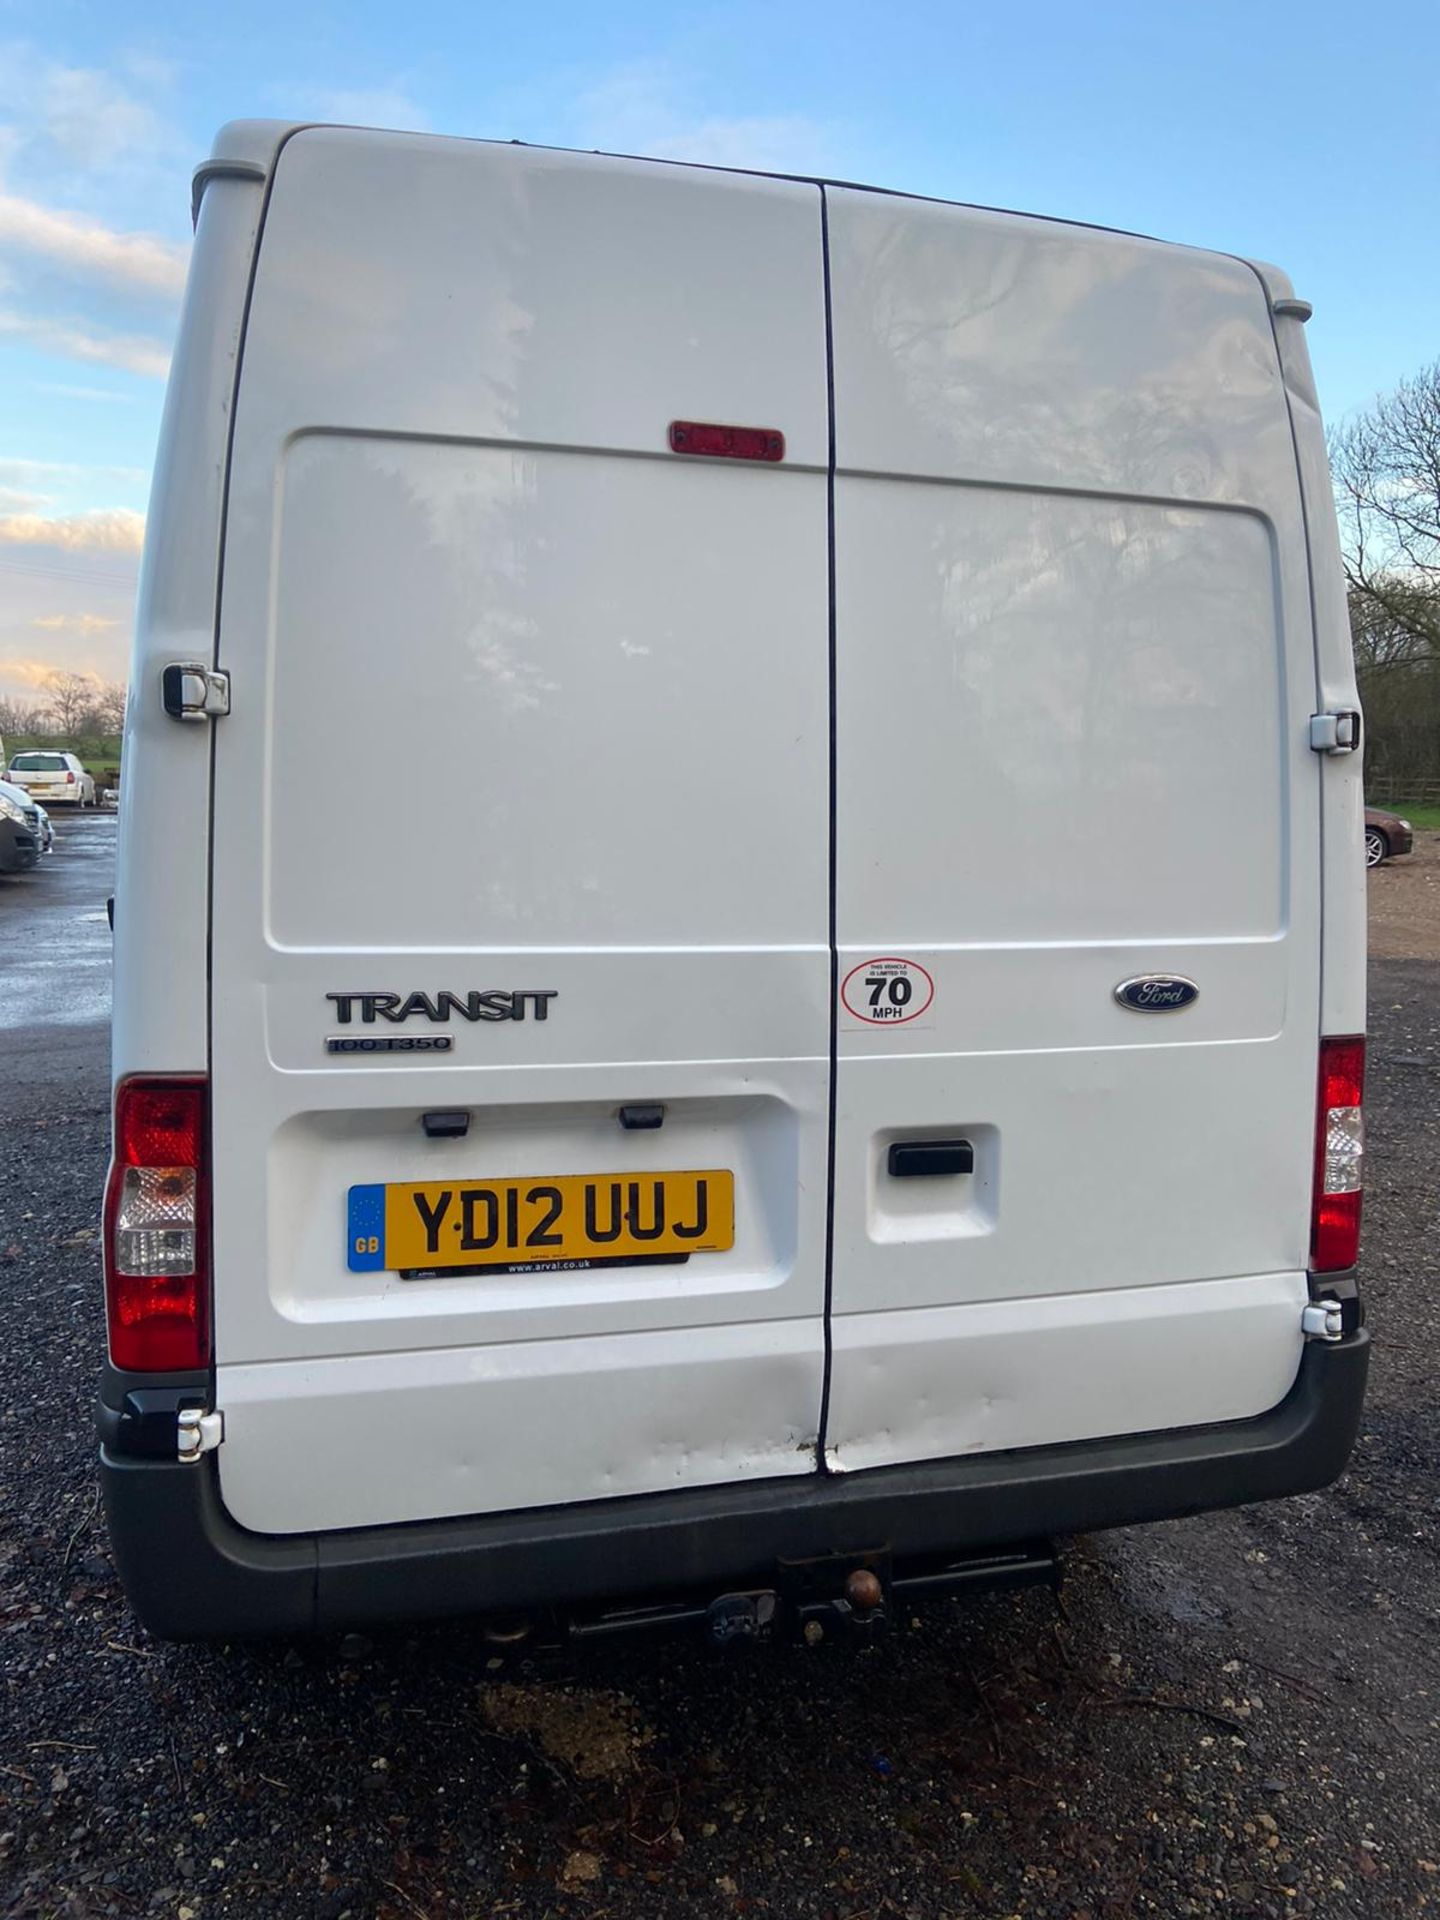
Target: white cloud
784,143
86,117
22,472
64,391
67,575
354,106
84,624
103,530
152,71
20,672
135,353
94,137
135,260
644,109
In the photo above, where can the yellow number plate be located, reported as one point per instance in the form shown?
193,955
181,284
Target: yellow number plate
565,1220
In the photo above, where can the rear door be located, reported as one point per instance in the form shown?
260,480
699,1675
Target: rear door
1074,674
520,815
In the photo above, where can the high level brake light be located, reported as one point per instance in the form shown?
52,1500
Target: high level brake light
1339,1156
157,1283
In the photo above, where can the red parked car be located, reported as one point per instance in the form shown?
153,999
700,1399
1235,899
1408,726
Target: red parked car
1386,834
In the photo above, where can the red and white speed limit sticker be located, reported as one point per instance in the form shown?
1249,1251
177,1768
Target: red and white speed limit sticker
887,992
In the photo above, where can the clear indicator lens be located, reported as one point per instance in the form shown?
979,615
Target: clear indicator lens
155,1225
1344,1150
153,1251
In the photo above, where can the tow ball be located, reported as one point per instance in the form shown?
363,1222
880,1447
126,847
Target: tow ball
858,1609
838,1596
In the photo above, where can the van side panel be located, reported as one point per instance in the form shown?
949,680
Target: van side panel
524,703
1343,935
1074,677
162,868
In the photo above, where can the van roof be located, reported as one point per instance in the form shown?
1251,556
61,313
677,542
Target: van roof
248,150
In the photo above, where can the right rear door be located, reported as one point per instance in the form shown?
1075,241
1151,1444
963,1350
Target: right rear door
1073,675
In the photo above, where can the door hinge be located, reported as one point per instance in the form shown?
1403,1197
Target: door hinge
197,1432
1323,1320
1335,732
189,691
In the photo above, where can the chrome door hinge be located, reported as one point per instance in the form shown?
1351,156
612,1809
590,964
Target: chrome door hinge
1335,732
1323,1320
197,1432
192,692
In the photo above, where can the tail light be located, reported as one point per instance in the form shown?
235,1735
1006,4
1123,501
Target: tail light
1339,1156
69,778
157,1281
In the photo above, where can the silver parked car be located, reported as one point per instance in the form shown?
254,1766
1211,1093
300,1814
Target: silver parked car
21,834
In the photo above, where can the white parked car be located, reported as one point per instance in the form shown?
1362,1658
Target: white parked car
831,1098
53,776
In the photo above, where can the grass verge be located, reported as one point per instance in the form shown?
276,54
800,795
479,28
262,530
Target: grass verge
1427,818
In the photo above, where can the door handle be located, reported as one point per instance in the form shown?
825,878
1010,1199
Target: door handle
910,1158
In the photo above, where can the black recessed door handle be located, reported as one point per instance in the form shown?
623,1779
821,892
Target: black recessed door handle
910,1158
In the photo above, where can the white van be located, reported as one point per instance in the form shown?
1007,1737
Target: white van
835,1051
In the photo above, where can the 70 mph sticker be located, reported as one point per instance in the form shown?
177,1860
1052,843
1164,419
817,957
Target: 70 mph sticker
887,992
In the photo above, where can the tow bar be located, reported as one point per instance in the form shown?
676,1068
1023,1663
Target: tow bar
841,1595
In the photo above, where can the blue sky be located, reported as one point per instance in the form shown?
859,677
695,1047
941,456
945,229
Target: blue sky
1300,133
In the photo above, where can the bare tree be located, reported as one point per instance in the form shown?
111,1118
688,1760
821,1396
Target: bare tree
70,702
1386,464
1398,669
110,707
1387,641
17,716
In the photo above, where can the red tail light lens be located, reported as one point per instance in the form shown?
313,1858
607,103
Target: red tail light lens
69,779
157,1282
726,443
1339,1156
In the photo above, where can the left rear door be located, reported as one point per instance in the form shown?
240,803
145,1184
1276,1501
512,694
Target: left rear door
523,705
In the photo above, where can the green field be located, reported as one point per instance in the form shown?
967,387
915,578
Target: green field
1426,818
98,753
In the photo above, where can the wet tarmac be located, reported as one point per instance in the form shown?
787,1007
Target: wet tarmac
55,954
1234,1715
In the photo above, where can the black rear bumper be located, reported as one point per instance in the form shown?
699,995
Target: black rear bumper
191,1573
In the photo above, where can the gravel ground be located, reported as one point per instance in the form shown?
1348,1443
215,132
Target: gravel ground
1235,1714
1405,904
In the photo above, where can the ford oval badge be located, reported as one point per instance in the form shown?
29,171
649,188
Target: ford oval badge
1157,993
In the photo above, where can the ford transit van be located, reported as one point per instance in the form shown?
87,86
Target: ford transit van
835,1046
